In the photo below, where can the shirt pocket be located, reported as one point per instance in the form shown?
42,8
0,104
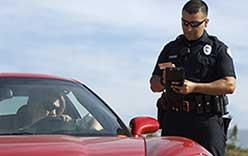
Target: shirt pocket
207,66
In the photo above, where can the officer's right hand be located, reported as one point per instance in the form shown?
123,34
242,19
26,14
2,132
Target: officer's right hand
155,84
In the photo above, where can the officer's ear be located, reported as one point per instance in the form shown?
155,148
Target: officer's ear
206,23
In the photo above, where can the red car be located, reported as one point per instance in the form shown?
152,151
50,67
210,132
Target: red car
44,115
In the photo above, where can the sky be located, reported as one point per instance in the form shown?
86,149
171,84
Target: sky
112,45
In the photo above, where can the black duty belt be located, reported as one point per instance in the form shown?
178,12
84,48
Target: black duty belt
194,103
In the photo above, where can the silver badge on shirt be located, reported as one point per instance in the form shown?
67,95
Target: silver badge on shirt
207,49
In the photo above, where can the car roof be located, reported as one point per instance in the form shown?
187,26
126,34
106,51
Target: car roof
34,75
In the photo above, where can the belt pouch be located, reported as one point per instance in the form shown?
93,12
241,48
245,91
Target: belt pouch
207,104
199,104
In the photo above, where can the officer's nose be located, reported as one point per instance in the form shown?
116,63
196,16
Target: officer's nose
188,28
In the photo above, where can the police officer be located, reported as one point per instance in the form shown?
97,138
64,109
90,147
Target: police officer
209,76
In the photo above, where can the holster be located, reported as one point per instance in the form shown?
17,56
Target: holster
226,122
221,103
168,102
162,102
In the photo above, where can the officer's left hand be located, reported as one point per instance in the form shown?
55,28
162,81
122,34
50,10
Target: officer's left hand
186,88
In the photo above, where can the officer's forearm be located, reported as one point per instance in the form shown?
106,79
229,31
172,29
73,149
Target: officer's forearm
218,87
155,84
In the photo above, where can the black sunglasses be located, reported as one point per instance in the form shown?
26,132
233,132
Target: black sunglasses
193,24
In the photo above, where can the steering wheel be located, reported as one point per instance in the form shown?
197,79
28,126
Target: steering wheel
51,124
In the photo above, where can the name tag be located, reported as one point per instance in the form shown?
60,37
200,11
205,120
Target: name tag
172,56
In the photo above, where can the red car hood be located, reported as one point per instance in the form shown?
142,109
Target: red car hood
52,145
174,146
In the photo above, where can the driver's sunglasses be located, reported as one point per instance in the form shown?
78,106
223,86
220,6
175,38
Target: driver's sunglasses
193,24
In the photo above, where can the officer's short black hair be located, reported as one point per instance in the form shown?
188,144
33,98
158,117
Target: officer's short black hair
195,6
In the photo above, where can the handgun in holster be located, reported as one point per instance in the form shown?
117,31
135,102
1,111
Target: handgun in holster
221,107
226,118
226,122
220,104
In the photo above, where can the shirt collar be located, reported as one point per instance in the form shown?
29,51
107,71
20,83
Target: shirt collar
204,39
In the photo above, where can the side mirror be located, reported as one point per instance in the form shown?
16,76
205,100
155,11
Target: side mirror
5,93
143,125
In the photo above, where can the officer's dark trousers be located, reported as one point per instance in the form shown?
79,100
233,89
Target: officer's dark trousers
207,130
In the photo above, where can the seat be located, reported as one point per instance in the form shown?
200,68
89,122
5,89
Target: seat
23,117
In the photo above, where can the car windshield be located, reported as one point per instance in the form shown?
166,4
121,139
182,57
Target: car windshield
46,106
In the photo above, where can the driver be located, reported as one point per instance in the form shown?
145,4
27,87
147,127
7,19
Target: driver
47,104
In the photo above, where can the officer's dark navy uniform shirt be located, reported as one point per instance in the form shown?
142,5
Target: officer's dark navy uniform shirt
204,60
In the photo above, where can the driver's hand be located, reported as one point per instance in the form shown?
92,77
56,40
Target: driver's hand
66,117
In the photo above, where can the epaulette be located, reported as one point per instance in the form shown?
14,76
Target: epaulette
216,40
